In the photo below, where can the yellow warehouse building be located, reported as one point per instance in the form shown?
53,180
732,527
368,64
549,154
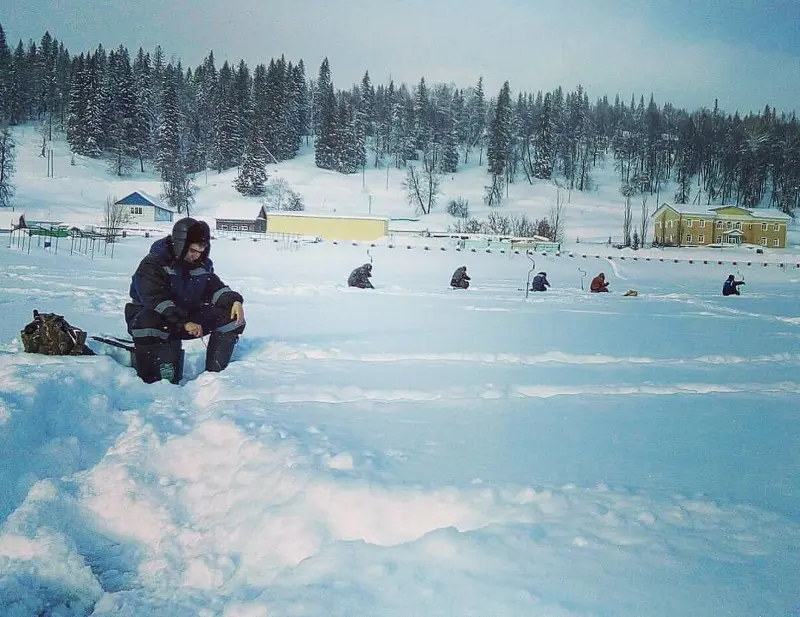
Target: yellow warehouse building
328,227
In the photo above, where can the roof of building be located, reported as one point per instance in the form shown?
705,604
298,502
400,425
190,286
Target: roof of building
239,211
142,198
326,216
712,211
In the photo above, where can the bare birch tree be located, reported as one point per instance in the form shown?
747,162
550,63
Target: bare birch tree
422,186
628,190
116,215
555,217
644,222
7,156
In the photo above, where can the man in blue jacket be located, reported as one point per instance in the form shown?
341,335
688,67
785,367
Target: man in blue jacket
731,286
540,282
175,296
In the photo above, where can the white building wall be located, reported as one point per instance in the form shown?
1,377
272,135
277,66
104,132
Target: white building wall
141,214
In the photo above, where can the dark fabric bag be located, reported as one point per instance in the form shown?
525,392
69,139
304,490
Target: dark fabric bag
52,335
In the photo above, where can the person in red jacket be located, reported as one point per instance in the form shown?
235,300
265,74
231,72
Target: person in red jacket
599,284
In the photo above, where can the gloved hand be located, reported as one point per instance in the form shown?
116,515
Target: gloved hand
237,313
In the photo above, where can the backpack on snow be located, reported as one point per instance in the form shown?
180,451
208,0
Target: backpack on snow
52,335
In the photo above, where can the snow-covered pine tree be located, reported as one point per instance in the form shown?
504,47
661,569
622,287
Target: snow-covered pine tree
78,101
273,121
21,86
544,140
499,148
320,104
348,156
5,78
169,157
476,111
409,134
366,116
299,109
383,120
460,121
225,153
252,176
63,65
200,103
95,99
326,147
287,142
422,116
253,173
193,138
449,160
243,105
396,126
178,186
144,108
121,112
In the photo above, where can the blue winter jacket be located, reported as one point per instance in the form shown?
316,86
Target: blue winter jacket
173,287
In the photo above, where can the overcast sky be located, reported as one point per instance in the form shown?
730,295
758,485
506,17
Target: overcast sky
746,53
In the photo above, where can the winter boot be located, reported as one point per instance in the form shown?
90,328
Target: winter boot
220,350
156,362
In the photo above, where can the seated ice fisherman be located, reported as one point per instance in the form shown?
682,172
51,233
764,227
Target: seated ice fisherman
731,286
599,284
460,279
175,296
540,282
360,277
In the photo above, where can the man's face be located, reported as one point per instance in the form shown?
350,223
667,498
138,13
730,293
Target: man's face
195,251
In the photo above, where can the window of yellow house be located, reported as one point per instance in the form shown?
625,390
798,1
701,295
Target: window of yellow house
688,222
702,224
763,242
671,224
738,225
776,242
719,239
776,227
749,226
688,238
763,227
719,224
728,224
701,238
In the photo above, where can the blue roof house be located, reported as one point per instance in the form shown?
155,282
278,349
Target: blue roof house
144,208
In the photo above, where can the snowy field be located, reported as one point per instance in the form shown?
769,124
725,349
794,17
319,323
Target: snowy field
407,451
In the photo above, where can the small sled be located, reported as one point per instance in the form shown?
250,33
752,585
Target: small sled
119,349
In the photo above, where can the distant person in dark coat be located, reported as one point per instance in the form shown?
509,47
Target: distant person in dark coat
599,284
360,277
460,279
731,286
540,282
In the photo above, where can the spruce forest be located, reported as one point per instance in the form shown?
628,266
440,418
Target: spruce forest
145,111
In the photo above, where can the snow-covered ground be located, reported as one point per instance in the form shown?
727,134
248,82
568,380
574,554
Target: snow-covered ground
411,450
